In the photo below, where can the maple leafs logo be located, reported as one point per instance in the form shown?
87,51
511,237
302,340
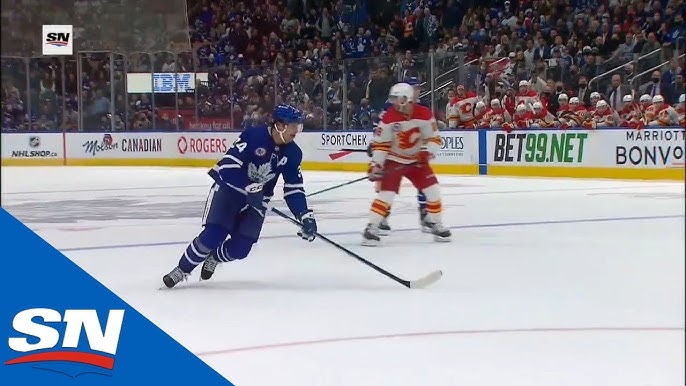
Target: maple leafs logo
260,174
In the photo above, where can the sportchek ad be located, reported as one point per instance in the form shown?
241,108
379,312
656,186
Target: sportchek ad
542,147
38,332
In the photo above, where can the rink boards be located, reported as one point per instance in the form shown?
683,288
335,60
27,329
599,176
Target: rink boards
652,153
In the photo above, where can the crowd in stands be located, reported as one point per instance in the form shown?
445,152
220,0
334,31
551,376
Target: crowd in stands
336,60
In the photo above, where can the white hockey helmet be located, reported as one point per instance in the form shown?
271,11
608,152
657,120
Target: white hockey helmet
595,95
645,98
521,108
537,106
495,102
480,105
627,98
523,83
658,99
682,98
601,104
562,97
574,101
401,93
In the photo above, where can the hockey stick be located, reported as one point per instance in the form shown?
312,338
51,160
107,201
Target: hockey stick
337,186
413,284
355,180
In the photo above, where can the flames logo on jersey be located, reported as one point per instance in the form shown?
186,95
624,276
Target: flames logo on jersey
408,139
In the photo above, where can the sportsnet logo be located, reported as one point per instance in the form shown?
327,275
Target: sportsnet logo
57,40
36,341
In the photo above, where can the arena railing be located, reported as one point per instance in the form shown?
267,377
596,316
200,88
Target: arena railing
176,91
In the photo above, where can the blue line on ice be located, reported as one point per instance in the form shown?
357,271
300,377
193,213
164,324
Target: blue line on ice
468,226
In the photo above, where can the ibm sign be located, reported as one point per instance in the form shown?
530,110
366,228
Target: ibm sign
164,82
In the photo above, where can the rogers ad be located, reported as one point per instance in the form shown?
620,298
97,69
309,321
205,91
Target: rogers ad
211,145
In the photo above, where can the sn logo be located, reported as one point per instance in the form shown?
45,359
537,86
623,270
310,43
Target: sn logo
44,337
58,39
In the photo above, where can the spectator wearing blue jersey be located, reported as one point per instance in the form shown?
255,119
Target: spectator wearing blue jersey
244,181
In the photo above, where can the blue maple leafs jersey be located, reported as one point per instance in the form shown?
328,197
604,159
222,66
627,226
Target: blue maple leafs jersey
255,158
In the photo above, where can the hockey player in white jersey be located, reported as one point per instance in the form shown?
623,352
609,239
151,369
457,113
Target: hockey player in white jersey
404,142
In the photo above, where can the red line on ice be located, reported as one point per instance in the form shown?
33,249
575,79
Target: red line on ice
438,333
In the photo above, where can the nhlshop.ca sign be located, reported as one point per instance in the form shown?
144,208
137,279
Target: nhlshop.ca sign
32,146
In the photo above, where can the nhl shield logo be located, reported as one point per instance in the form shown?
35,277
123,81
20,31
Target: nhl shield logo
260,152
34,141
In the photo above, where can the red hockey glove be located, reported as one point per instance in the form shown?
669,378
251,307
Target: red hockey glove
423,156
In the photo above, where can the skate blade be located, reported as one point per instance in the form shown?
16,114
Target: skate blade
442,239
384,232
370,243
426,230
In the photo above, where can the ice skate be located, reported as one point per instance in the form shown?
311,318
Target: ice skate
370,237
384,228
208,267
174,277
424,222
441,233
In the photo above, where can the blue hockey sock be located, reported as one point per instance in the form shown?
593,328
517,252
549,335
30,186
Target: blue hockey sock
421,200
222,252
235,248
195,254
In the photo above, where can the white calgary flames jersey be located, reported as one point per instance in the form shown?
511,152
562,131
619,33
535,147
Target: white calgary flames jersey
399,137
461,109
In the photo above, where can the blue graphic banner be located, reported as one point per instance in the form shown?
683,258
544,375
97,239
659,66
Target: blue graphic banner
60,326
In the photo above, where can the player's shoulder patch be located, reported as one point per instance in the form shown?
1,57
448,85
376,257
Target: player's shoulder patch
260,152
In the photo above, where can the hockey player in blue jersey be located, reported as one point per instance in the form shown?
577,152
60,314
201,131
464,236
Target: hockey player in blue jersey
384,227
244,181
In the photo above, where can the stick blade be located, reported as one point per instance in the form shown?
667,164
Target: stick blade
426,280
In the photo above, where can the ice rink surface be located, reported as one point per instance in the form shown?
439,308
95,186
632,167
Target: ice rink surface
547,282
